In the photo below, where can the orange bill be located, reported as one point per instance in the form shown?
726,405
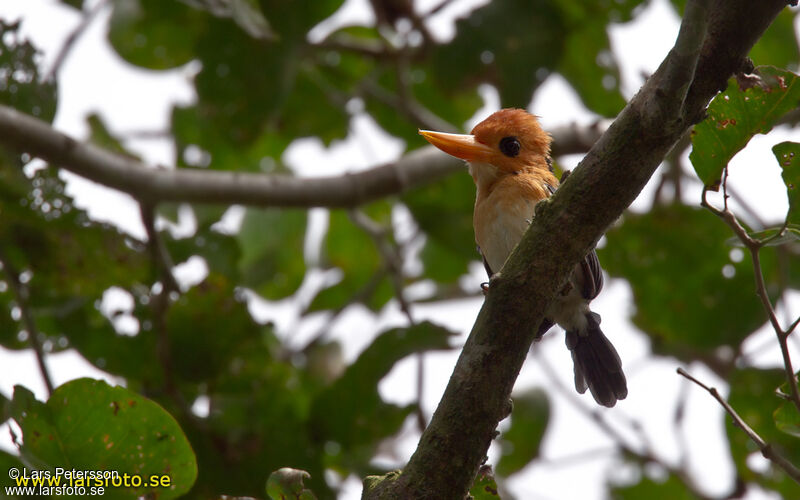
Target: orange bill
462,146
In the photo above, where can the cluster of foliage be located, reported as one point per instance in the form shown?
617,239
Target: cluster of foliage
265,81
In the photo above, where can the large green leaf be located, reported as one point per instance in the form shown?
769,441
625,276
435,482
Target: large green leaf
521,442
443,211
206,326
788,156
350,411
156,34
673,258
753,397
88,425
736,115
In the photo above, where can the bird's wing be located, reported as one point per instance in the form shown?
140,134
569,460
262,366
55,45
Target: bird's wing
592,275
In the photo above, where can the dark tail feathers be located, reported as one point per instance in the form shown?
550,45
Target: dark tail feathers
597,364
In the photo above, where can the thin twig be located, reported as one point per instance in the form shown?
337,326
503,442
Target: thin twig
69,42
21,296
437,8
645,456
158,250
766,449
392,257
754,247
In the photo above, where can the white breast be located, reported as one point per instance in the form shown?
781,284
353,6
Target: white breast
502,229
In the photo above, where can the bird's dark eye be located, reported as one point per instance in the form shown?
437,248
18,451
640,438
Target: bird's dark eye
509,146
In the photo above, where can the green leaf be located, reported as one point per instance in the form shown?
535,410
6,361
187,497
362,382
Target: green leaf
287,483
673,258
444,211
787,419
778,45
520,443
271,242
196,322
771,237
350,411
597,85
8,462
753,397
788,156
88,425
503,43
484,487
736,115
155,34
670,489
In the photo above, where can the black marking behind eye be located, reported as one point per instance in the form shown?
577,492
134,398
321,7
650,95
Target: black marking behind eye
509,146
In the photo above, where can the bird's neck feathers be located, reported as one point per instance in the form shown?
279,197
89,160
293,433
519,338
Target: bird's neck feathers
487,177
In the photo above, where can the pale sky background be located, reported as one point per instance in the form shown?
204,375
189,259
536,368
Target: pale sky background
94,78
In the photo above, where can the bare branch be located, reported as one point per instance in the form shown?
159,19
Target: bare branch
766,449
21,297
69,42
393,262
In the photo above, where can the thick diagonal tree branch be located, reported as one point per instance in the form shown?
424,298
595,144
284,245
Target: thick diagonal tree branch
565,228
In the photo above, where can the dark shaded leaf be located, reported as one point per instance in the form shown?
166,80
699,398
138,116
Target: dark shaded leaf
443,211
673,258
350,411
787,419
271,243
778,45
670,489
88,425
736,115
589,66
521,442
155,34
348,248
503,43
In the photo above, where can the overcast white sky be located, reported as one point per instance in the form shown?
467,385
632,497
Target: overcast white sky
94,78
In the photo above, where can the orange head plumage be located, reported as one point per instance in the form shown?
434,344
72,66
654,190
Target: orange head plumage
511,140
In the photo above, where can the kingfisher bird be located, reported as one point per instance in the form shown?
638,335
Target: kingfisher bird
508,155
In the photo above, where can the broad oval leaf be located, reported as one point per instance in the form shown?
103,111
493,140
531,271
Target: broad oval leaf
89,425
674,258
736,115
